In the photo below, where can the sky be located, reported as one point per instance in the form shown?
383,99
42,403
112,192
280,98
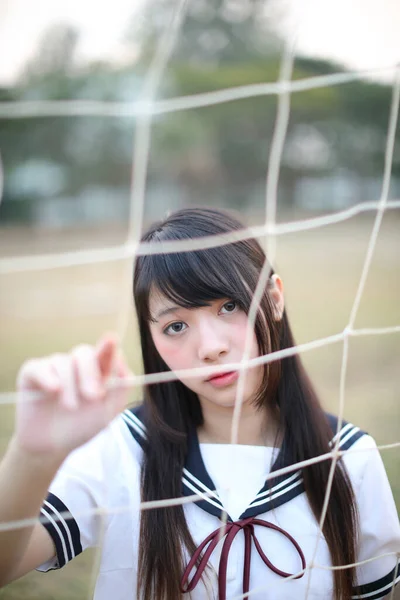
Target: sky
23,23
361,34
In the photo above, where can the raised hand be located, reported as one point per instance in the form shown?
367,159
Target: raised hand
63,398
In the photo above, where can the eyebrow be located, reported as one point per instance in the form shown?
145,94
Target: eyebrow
165,311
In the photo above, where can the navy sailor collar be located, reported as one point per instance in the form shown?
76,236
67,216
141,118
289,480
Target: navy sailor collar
275,492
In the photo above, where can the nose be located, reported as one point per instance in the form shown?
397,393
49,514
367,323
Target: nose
213,341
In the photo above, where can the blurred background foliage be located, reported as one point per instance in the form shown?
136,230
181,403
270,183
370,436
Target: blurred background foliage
62,170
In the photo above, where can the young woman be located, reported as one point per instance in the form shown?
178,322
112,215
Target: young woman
99,461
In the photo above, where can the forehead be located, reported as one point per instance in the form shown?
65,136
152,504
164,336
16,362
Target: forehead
157,301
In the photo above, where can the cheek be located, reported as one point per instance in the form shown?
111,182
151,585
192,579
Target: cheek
172,353
239,335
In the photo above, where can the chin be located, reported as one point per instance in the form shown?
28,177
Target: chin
225,402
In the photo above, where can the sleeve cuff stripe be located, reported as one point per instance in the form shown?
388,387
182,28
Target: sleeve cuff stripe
379,588
66,534
70,523
63,529
57,537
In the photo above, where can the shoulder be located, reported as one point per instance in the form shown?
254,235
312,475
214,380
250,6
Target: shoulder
123,436
347,433
360,449
133,423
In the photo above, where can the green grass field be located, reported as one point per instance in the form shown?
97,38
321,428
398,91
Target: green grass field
47,311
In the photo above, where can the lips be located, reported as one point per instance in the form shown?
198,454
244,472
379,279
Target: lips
223,379
219,375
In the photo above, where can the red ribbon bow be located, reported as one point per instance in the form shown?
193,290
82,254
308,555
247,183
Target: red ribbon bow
230,530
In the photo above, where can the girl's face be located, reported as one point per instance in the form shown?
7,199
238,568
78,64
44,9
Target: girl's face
212,335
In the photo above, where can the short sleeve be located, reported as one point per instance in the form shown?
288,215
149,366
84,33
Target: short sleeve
379,529
70,512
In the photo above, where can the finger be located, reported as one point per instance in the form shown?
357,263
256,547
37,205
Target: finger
38,375
118,396
121,368
118,392
63,366
87,373
105,353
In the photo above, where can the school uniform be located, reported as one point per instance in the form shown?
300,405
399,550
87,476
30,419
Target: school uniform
271,532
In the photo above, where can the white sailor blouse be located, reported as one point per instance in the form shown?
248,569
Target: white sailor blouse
267,543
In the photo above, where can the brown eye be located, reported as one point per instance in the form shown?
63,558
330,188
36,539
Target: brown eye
230,306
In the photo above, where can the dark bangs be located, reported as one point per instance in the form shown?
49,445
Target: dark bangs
193,279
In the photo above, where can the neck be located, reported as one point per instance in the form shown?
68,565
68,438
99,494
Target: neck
256,426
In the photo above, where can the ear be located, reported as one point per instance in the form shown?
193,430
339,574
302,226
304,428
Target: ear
276,293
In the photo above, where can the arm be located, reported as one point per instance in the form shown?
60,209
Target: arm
63,403
24,548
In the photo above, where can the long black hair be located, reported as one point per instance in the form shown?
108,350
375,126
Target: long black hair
192,279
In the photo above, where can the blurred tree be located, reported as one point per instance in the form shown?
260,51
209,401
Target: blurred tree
213,32
55,54
217,153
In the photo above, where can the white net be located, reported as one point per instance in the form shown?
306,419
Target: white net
144,110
